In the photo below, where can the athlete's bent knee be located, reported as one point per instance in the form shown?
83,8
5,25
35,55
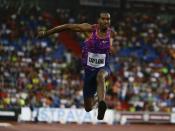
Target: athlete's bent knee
100,77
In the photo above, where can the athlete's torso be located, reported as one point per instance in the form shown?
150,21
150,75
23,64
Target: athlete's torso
95,50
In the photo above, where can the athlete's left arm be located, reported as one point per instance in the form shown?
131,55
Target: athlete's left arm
113,35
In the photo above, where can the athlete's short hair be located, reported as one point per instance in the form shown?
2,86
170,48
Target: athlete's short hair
103,12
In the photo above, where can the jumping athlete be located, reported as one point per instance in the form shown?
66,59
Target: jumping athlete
96,50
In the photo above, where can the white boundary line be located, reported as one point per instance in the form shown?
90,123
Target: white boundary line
3,124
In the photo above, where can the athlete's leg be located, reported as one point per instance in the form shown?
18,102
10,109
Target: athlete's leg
88,103
101,91
101,88
89,89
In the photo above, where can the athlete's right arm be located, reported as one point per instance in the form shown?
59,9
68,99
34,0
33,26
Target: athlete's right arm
84,27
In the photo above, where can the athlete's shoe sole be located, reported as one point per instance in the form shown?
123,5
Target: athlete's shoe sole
101,110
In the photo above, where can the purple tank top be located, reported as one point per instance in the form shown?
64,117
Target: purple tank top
95,50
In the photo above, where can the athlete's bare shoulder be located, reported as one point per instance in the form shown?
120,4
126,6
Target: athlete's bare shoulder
113,34
88,29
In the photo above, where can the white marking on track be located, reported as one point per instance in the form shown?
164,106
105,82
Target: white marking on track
5,124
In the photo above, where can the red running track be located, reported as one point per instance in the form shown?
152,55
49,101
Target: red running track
84,127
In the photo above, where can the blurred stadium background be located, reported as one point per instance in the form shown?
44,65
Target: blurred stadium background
42,80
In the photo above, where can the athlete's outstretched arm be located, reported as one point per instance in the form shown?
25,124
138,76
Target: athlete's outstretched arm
84,27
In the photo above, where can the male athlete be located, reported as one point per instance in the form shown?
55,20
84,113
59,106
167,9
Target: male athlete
95,57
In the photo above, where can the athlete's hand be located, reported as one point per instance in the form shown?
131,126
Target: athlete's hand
41,34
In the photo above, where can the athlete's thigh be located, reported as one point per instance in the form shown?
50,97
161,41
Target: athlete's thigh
90,85
104,72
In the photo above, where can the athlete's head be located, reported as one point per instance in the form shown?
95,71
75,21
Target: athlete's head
104,20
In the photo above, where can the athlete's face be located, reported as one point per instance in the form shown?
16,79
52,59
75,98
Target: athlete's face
104,20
